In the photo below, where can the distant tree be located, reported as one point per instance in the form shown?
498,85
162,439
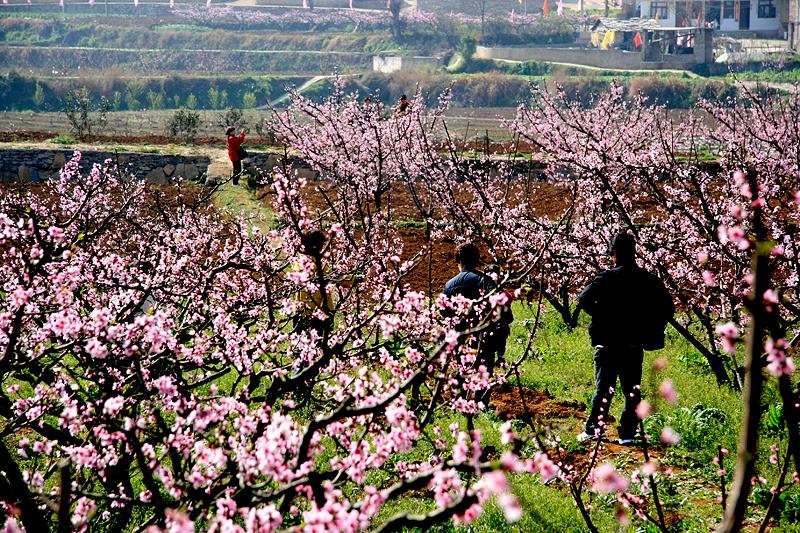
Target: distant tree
83,114
249,100
191,101
397,22
39,97
213,97
223,98
117,99
133,91
156,100
176,100
232,118
184,124
480,7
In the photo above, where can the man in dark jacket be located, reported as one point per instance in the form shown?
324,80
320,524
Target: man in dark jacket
473,284
630,308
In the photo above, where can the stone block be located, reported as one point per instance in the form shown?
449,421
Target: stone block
24,173
169,169
213,181
307,174
157,176
59,160
187,171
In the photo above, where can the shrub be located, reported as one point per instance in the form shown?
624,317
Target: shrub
184,124
80,108
64,139
698,426
231,118
675,92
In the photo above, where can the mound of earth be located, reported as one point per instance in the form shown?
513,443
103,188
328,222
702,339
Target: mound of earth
511,402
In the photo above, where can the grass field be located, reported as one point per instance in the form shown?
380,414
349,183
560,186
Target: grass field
463,122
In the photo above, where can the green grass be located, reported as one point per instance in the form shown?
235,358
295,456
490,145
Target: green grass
240,200
65,140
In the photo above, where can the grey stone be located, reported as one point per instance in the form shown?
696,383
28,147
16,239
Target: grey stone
24,173
212,181
169,168
59,160
187,171
307,174
157,176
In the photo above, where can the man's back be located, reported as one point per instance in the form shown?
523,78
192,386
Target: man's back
628,305
469,284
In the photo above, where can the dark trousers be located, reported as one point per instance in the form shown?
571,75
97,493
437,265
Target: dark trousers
492,348
624,362
308,323
237,170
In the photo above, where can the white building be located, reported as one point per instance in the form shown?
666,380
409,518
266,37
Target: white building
768,17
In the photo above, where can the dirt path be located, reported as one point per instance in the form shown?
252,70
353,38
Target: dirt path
285,98
220,164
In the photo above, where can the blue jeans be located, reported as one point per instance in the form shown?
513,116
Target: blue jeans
610,363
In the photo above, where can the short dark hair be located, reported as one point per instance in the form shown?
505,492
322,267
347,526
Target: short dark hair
313,242
404,97
230,131
468,254
623,245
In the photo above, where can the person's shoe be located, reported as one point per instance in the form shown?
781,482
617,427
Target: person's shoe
583,437
627,441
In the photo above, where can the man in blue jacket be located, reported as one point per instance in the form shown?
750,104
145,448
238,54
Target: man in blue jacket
630,308
474,284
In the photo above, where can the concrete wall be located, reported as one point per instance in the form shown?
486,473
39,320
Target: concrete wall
586,56
389,64
25,164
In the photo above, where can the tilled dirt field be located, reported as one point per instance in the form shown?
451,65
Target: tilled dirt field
433,271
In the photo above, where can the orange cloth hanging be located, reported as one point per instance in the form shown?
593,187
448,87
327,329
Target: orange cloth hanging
545,8
637,40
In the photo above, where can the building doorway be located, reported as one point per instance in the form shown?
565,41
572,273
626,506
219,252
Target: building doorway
744,15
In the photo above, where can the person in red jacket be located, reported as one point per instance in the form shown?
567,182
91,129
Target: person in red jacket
234,146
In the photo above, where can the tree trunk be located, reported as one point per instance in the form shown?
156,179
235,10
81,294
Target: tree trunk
753,381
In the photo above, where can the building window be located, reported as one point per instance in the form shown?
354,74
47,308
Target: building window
766,9
658,9
727,9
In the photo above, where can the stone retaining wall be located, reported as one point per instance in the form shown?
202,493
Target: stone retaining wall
32,165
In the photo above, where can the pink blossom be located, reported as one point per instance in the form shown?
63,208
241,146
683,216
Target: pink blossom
668,392
112,406
643,409
96,349
510,506
547,468
12,526
20,296
778,363
669,436
607,479
495,482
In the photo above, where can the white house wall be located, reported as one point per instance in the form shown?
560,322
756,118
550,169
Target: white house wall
669,21
756,24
